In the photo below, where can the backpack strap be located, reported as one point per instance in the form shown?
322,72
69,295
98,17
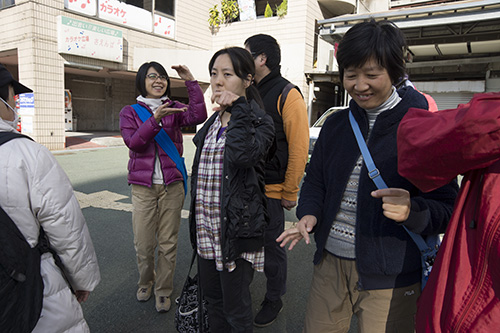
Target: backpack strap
426,251
7,136
284,94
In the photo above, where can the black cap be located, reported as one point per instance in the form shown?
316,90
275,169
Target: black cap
6,78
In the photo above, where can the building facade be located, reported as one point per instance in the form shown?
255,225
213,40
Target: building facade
454,47
80,57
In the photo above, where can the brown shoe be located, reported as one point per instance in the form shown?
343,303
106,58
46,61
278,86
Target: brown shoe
143,294
162,303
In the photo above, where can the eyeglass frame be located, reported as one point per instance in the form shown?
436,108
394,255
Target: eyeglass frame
154,77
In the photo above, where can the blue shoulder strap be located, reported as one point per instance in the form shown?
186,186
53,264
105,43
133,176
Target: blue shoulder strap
375,175
165,143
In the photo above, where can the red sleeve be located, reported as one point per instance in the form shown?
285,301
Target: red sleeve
435,147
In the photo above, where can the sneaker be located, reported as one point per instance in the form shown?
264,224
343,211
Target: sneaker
268,313
143,294
162,303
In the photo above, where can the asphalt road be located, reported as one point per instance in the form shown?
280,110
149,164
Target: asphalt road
99,177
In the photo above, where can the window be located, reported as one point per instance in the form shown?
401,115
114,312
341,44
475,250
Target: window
260,6
137,3
6,3
165,6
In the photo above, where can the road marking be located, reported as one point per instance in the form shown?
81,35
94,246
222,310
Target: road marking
103,199
110,200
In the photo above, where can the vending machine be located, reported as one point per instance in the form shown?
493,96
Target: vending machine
68,111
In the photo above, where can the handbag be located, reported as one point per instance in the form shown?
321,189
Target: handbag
187,315
166,144
428,247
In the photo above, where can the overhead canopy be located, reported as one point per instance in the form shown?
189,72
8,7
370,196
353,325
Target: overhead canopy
458,40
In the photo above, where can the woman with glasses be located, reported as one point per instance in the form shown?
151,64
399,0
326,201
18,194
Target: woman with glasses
157,181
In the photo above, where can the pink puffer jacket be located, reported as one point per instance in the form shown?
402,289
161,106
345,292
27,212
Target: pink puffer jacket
139,137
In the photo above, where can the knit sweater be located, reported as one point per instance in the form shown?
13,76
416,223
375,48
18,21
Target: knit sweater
341,241
386,256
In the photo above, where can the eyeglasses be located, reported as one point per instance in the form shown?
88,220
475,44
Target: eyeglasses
154,77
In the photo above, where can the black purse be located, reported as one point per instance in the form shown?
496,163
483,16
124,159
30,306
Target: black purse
191,315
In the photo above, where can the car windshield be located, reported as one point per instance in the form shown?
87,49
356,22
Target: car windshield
324,116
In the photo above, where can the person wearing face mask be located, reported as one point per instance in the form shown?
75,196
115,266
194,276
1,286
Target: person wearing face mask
158,182
10,88
36,193
228,214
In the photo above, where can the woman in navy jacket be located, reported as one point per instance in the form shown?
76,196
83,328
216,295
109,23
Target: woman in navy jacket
366,263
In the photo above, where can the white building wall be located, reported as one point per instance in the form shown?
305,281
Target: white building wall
192,23
30,32
294,33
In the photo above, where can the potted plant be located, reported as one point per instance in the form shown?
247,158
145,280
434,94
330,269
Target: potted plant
268,12
230,10
281,10
214,18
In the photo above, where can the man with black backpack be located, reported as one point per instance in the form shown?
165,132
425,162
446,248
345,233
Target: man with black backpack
283,101
38,207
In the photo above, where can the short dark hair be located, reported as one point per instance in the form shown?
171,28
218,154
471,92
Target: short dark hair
140,78
243,65
265,44
382,41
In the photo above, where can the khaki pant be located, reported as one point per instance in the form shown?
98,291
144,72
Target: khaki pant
334,298
156,218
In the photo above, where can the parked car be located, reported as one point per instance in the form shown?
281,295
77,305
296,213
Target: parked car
316,127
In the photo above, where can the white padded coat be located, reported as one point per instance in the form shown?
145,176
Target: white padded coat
36,191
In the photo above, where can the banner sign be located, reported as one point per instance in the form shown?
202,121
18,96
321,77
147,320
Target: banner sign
128,15
87,7
120,12
89,40
164,26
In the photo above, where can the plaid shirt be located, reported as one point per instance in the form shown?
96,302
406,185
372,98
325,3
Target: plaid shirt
208,203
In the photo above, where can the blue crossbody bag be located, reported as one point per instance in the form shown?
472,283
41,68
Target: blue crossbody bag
428,247
166,144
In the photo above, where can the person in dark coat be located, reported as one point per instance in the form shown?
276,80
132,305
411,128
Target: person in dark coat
366,263
228,207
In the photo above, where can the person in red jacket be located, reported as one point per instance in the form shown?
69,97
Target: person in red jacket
463,290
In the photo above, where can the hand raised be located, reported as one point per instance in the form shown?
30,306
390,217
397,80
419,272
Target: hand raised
184,72
224,98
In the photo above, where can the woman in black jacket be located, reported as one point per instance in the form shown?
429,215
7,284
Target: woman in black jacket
228,207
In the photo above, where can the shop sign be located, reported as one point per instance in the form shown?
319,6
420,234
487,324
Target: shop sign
87,7
25,103
129,15
164,26
89,40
